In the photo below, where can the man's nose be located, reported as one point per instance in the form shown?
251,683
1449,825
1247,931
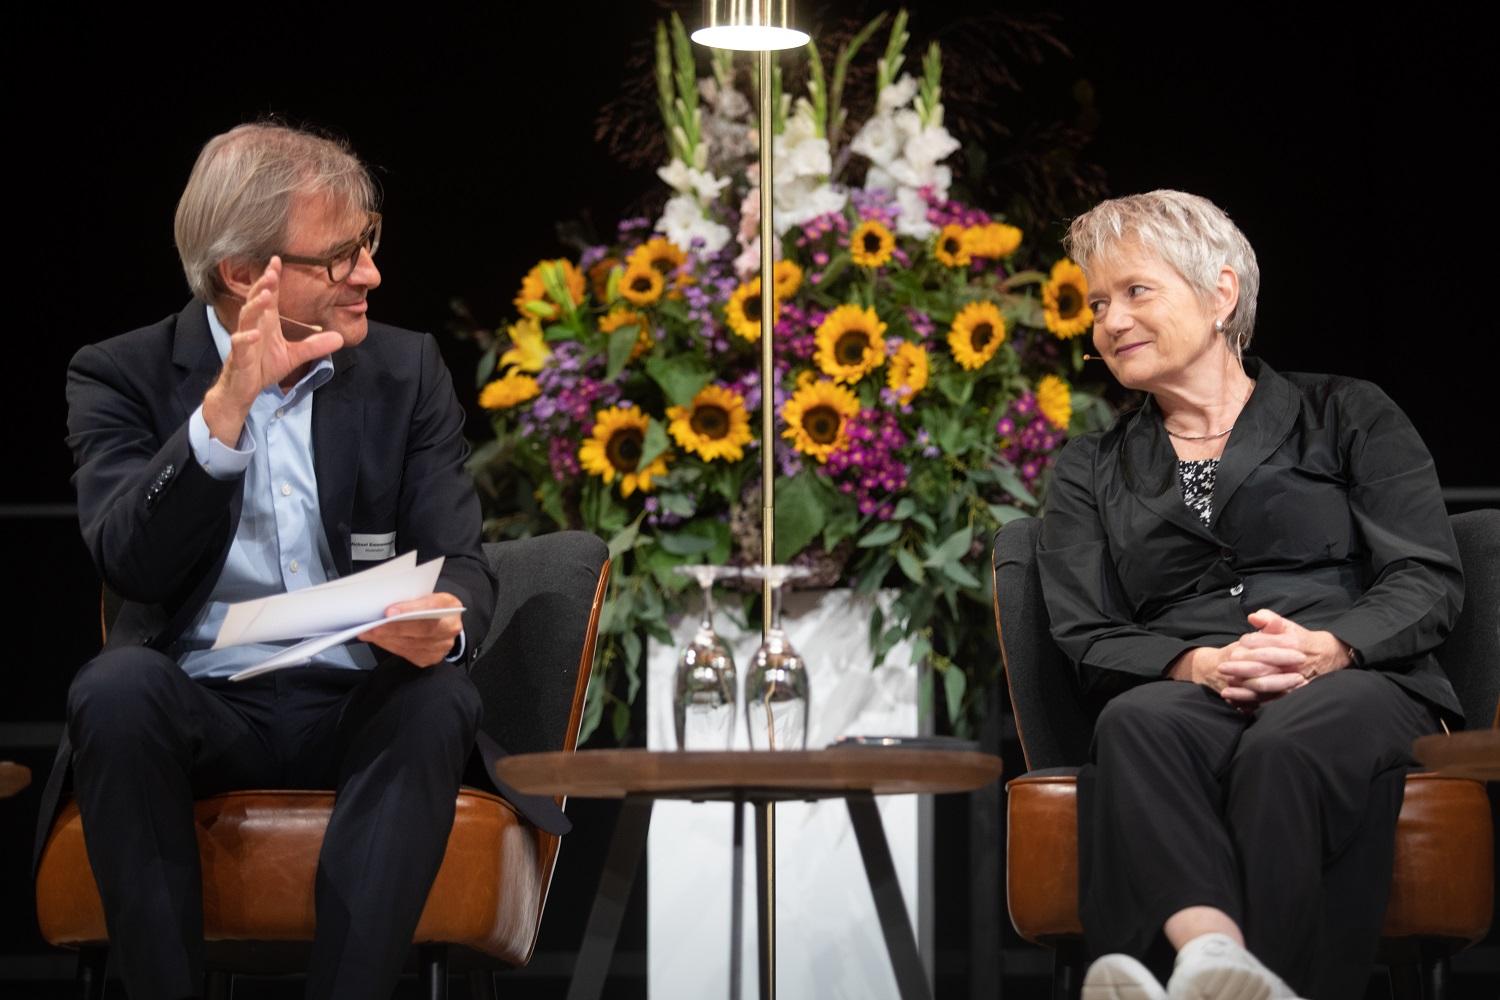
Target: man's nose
365,273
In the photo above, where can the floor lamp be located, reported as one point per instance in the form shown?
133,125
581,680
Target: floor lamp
761,26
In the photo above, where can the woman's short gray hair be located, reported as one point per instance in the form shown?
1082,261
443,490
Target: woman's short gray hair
238,199
1191,234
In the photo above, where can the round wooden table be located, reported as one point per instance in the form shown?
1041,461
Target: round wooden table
1471,754
854,774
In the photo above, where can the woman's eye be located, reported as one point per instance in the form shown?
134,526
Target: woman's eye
1097,305
1137,290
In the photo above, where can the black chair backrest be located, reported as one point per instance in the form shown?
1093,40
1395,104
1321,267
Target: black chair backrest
1052,719
1054,722
527,669
1471,654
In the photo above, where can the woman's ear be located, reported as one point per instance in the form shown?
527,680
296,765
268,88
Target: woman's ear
1226,293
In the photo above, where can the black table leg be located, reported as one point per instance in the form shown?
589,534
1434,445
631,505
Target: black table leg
736,898
620,866
900,941
765,882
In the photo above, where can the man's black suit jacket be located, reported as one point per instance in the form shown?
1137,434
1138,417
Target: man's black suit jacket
1326,509
388,448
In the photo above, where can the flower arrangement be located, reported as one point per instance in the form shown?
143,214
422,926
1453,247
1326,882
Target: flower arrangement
923,368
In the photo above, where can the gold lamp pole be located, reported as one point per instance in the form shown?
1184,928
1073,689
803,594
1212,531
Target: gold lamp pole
761,26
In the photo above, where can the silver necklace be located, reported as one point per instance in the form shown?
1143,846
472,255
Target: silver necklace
1197,437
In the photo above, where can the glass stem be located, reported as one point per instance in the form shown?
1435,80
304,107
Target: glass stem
776,606
707,625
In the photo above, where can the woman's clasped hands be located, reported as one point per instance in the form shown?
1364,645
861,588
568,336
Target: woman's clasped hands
1276,659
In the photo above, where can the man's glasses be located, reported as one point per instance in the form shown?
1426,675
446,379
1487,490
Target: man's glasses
341,262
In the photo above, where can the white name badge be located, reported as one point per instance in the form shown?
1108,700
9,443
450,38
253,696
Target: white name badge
370,547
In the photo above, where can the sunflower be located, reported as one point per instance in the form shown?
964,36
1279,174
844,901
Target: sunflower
659,253
993,240
714,425
977,333
642,286
529,350
817,418
742,311
1065,301
907,375
951,247
1055,400
510,390
614,448
625,316
532,299
851,343
871,244
788,278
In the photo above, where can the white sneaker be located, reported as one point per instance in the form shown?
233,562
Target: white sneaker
1120,977
1213,967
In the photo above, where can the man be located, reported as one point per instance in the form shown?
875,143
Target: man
268,438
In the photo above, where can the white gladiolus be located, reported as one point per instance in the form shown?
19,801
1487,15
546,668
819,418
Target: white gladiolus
913,218
878,140
683,221
896,95
675,175
930,145
803,199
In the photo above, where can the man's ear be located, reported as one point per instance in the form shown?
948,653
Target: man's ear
237,274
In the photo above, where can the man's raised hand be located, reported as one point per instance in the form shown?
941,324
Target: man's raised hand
260,355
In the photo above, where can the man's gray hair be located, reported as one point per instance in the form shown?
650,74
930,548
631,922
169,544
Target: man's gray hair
238,199
1190,234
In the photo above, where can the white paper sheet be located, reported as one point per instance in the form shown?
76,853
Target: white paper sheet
329,607
305,651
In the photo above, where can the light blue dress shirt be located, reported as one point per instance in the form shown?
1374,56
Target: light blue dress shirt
280,544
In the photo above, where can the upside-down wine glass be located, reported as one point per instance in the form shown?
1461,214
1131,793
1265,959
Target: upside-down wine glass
776,692
704,689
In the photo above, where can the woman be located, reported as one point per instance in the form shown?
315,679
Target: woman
1253,569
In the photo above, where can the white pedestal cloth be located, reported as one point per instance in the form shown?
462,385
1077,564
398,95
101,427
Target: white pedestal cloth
828,940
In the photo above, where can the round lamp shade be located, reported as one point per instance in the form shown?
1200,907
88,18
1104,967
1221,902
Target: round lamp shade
749,26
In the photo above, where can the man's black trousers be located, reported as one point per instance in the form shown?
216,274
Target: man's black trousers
147,739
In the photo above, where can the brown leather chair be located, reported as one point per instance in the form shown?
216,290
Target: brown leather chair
1443,884
259,849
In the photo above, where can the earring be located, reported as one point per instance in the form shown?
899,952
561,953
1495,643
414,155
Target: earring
1218,326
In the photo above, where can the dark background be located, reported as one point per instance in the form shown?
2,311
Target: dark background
1346,148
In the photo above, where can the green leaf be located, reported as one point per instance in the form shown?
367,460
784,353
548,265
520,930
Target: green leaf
593,706
954,547
621,343
680,504
1010,481
954,685
708,540
623,541
684,544
881,534
911,566
619,721
653,444
541,309
842,522
905,508
486,366
956,572
680,376
800,513
1004,513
